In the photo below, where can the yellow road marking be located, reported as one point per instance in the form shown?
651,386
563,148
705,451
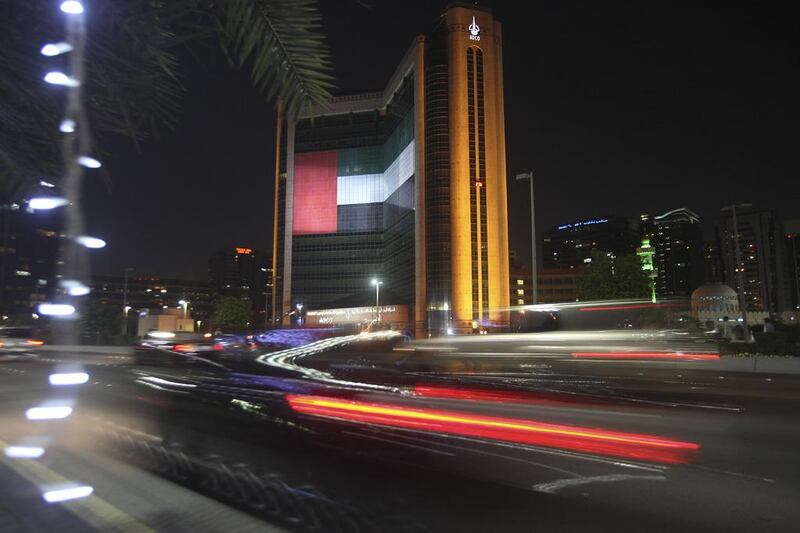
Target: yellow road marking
93,510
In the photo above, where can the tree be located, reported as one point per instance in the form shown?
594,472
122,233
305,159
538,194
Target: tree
100,322
133,83
613,278
231,313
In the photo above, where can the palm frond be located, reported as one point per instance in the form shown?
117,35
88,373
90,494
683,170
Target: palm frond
134,78
134,83
281,43
29,148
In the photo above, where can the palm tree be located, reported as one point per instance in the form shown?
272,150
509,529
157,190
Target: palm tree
123,57
133,82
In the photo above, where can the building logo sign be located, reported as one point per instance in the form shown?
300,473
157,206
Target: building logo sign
351,315
474,30
584,223
244,251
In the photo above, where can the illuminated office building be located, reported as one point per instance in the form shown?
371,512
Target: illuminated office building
570,245
793,252
407,185
678,241
764,268
245,274
28,259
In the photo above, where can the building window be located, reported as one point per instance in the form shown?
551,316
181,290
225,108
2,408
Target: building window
520,282
520,292
520,301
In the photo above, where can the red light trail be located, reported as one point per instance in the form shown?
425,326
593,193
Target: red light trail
574,438
484,395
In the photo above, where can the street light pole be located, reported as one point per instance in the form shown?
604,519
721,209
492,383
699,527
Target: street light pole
796,270
125,301
739,269
267,296
534,288
377,284
185,305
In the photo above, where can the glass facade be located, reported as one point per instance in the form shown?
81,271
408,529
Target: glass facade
477,174
354,205
407,185
437,177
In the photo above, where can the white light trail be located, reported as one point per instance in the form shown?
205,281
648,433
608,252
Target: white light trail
54,49
90,242
69,378
53,412
56,309
68,493
72,7
67,126
44,204
59,78
89,162
24,452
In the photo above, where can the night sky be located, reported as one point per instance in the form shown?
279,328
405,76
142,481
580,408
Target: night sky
618,110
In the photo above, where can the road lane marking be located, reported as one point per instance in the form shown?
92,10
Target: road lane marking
96,512
554,486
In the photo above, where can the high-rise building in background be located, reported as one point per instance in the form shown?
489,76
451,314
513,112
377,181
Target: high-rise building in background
29,244
570,245
154,295
712,262
554,285
792,228
406,185
245,274
678,241
763,259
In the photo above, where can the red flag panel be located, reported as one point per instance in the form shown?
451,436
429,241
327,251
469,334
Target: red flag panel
315,193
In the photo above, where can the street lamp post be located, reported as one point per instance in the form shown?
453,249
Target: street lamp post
377,284
267,293
534,288
125,307
739,269
185,305
796,270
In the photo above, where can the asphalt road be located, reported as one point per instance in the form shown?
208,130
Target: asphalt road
125,497
171,449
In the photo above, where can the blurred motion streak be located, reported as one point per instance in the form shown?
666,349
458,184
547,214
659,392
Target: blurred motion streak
48,412
24,452
485,395
573,438
673,356
67,493
69,378
636,306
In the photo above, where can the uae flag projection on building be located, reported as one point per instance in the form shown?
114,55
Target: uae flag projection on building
327,182
315,192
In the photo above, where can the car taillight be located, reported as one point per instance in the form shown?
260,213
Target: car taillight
34,342
218,346
184,348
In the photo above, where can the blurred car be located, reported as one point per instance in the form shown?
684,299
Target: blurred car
19,339
233,346
168,347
